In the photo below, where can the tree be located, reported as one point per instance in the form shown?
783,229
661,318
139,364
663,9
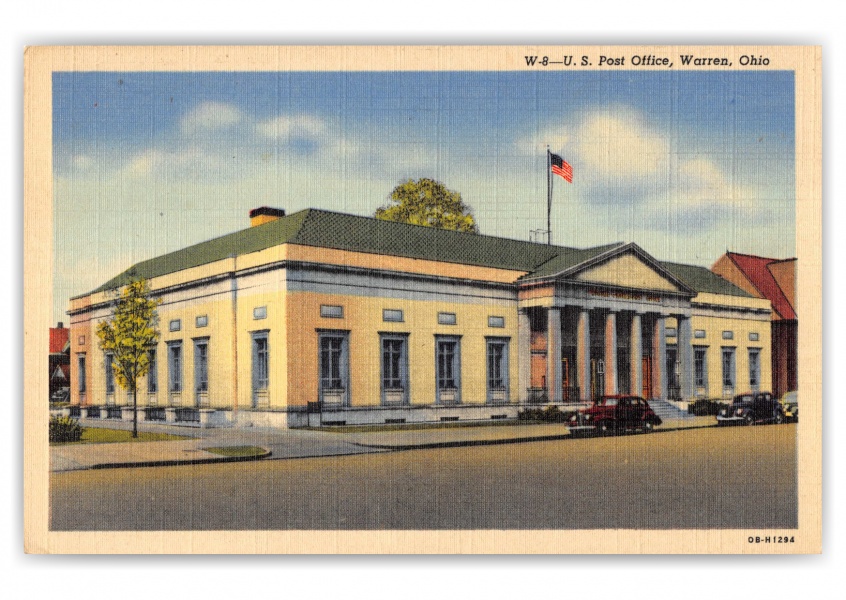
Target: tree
128,336
428,202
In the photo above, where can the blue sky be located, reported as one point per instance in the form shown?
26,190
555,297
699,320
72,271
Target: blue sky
685,164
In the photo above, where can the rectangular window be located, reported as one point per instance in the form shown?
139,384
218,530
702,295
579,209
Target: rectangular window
328,311
670,332
152,374
446,318
699,334
497,354
80,363
174,366
81,340
728,368
110,374
333,367
394,369
392,315
754,369
201,365
700,367
753,337
260,312
496,321
331,363
260,362
175,325
728,335
448,368
202,321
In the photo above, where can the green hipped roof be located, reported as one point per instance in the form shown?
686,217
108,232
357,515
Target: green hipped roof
325,229
703,280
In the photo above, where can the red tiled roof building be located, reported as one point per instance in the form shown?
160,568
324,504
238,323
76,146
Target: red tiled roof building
775,280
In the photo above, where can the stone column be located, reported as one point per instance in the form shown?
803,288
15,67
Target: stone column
611,353
583,353
553,355
685,350
636,353
659,358
524,354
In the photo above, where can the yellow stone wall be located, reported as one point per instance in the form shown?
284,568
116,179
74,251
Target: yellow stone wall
363,319
741,323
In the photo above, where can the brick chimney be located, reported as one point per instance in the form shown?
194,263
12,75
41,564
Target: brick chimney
265,214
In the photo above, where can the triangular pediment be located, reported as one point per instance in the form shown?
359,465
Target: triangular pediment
628,270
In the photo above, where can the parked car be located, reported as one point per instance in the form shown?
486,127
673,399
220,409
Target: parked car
751,408
790,406
610,414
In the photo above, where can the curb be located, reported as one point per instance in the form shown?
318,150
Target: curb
181,461
463,443
519,440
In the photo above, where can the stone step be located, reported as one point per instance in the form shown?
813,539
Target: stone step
666,411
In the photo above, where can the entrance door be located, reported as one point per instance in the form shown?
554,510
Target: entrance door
647,376
538,369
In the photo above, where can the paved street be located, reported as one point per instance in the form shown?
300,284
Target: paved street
743,477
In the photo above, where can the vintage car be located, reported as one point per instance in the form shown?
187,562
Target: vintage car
790,406
610,414
751,408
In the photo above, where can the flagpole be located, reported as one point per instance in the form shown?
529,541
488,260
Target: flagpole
548,196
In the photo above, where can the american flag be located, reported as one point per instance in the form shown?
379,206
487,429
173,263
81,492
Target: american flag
562,168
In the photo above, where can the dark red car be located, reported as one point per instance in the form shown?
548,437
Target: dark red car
610,414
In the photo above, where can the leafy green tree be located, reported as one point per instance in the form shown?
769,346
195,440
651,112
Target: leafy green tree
428,202
128,336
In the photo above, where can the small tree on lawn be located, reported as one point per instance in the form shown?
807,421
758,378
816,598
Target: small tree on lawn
128,336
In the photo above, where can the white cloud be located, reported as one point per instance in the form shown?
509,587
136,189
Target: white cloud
211,116
285,127
612,143
621,146
702,183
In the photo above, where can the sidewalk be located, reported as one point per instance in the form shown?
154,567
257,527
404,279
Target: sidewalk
300,443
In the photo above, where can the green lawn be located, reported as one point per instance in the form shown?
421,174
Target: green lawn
239,451
95,435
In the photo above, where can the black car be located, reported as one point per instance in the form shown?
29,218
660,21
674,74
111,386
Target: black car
751,408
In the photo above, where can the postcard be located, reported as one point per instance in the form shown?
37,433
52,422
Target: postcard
423,299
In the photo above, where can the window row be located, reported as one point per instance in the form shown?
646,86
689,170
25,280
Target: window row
174,368
259,312
700,334
200,321
393,315
728,368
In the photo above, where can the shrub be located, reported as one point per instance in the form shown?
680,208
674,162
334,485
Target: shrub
704,407
530,414
65,429
551,414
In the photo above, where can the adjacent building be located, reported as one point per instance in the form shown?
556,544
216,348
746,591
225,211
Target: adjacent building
775,280
59,360
322,317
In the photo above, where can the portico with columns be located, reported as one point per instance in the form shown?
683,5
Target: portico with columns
599,328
